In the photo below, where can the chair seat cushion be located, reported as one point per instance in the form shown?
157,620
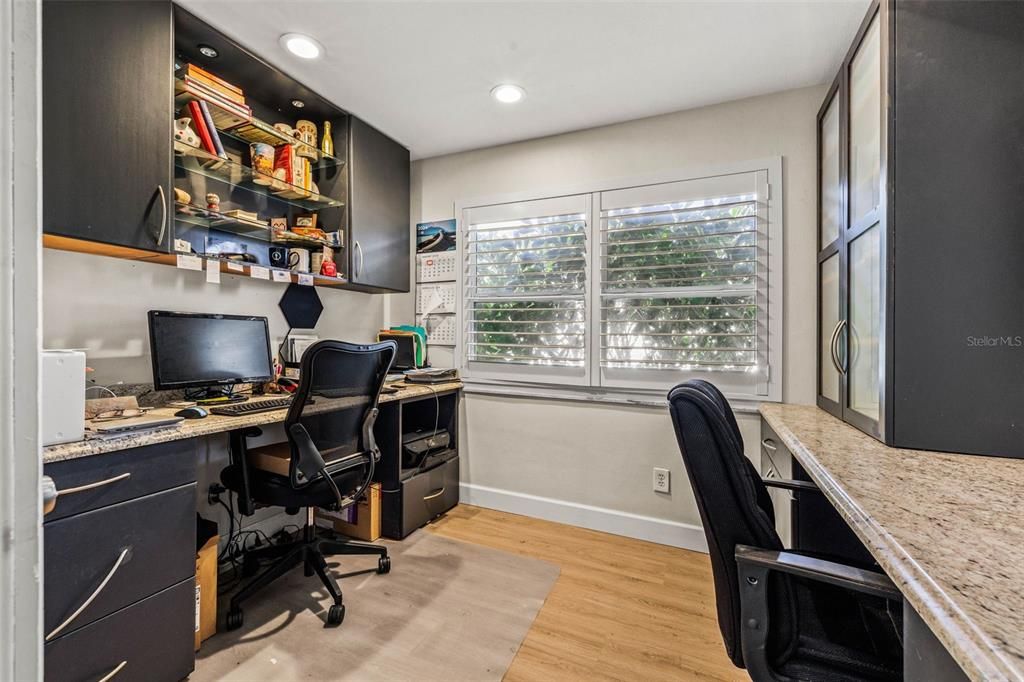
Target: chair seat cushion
271,489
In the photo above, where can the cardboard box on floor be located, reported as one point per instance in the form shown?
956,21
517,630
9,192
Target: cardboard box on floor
360,521
206,591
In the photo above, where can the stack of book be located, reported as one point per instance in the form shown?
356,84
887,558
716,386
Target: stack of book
215,90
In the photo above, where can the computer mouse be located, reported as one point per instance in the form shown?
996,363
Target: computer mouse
192,413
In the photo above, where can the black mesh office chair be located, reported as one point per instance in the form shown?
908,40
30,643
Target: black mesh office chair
784,615
328,461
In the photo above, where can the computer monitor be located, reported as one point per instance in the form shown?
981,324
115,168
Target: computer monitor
198,350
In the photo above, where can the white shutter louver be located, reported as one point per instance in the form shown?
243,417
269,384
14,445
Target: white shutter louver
525,290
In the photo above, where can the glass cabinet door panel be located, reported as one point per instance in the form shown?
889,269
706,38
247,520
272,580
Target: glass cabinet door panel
865,323
830,188
865,126
828,279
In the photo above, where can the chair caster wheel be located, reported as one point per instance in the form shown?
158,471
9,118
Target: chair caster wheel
384,565
335,615
234,619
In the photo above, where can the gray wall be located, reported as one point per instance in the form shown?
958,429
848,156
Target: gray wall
100,304
602,456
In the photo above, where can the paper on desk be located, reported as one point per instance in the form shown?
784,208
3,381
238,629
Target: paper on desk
186,262
259,272
213,271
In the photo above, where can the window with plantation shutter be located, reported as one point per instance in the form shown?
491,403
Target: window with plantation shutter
631,289
525,289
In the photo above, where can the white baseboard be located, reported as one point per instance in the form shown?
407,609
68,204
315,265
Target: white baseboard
672,533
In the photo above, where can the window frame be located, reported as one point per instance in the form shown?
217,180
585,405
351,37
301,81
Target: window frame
647,385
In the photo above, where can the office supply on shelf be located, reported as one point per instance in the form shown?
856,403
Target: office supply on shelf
252,407
329,458
209,352
430,375
62,396
737,514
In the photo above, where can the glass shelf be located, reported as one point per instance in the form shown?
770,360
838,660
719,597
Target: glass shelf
214,220
252,130
195,160
318,280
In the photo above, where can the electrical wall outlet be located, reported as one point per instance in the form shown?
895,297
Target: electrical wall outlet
662,480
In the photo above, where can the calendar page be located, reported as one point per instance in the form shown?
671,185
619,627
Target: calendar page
440,329
436,267
435,298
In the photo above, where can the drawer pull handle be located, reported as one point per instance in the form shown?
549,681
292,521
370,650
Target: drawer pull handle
70,619
94,484
769,445
115,671
431,496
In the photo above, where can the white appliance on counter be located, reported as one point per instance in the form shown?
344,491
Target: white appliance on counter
62,392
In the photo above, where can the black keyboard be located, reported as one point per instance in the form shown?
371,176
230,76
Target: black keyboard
252,407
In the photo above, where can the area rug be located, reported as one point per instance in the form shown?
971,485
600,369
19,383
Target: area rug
448,611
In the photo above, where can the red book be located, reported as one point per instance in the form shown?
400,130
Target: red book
200,123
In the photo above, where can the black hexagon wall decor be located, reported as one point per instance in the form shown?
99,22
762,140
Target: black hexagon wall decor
301,306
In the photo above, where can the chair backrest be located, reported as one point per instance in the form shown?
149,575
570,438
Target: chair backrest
339,387
734,504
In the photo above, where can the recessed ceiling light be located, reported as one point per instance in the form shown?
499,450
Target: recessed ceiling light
298,103
301,45
208,51
508,93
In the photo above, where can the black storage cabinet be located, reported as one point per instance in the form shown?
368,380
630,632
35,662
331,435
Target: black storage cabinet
921,315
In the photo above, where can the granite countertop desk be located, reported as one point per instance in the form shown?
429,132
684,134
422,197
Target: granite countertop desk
213,424
948,529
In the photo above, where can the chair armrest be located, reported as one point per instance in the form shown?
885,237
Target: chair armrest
754,566
369,440
310,463
789,484
237,455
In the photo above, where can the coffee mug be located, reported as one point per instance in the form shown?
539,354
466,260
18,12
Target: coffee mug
279,257
298,260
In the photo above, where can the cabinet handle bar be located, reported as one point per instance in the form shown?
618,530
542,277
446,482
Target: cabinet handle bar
95,593
115,671
163,214
94,484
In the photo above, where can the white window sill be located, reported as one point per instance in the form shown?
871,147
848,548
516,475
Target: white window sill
588,395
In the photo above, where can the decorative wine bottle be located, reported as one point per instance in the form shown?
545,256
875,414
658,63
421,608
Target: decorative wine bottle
326,142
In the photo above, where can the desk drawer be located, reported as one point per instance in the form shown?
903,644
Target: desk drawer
143,545
153,638
119,476
422,498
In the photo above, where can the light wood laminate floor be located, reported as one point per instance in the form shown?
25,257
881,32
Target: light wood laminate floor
621,609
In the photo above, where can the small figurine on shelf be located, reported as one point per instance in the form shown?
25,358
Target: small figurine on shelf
305,132
328,268
213,202
183,132
326,142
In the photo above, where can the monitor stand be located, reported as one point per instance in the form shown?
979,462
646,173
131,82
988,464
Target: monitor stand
216,395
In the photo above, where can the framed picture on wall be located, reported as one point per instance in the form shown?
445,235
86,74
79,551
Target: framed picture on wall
435,236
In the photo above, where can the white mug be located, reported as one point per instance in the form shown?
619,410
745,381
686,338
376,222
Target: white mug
298,260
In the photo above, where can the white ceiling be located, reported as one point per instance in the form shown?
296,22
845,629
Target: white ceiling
421,71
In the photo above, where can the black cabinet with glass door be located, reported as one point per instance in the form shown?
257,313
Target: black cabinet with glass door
920,311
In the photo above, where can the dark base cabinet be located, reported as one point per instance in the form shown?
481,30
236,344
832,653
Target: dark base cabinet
420,499
119,570
150,641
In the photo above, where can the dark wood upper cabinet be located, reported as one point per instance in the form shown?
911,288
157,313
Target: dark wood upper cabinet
107,112
920,197
379,237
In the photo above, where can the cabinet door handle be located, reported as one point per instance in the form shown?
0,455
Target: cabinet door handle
832,346
769,444
94,484
163,214
112,673
431,496
359,259
841,364
92,597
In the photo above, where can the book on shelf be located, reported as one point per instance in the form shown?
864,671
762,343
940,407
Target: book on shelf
199,74
199,121
204,92
216,92
212,130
